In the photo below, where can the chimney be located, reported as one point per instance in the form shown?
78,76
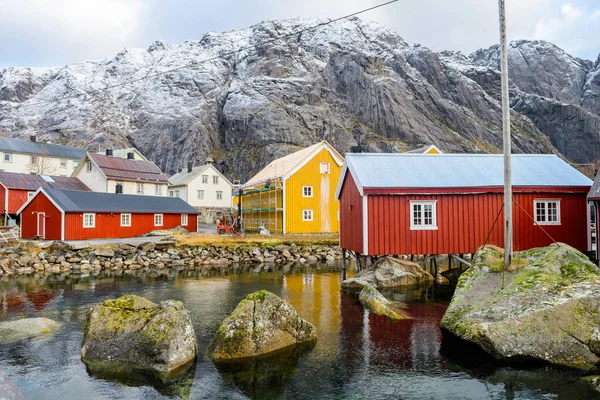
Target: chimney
130,155
180,169
33,138
109,152
190,164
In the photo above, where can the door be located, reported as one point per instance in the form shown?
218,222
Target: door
41,225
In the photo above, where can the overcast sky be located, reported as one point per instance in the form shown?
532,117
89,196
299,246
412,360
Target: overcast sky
59,32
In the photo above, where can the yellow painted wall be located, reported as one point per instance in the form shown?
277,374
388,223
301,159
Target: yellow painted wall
271,199
323,203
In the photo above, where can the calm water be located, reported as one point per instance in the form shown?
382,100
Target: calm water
357,356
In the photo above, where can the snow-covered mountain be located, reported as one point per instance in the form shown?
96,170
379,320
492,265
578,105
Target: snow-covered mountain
353,83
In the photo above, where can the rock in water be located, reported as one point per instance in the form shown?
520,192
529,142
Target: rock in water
134,335
593,382
260,324
389,272
8,390
548,310
376,303
13,331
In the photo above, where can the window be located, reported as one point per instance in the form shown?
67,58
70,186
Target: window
324,167
89,220
75,164
63,163
184,218
171,193
30,195
307,215
547,212
158,219
33,160
177,193
125,219
215,179
140,188
88,166
423,215
158,190
200,195
219,195
204,178
7,157
119,187
307,191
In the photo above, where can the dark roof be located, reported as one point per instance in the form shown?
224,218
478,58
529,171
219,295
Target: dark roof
594,193
77,201
12,145
129,170
34,182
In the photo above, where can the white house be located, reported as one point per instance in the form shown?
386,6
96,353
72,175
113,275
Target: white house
130,152
204,188
33,157
108,174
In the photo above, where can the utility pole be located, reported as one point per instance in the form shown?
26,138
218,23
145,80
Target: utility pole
508,225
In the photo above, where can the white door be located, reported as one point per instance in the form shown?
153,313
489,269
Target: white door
41,225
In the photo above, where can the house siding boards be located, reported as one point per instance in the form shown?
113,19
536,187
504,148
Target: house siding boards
188,184
351,210
29,219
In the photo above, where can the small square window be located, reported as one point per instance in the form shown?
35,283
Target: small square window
158,219
547,212
215,179
307,191
219,195
63,163
88,166
200,194
171,193
423,215
125,219
7,157
307,215
30,195
184,219
140,188
158,190
89,220
324,167
204,178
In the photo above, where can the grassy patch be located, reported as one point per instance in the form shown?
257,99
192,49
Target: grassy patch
256,240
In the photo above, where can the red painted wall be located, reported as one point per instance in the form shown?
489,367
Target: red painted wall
16,199
464,221
2,199
29,218
351,236
109,225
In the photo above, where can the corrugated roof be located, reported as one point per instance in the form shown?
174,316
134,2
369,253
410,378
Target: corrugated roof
282,167
34,182
12,145
129,170
183,178
458,170
77,201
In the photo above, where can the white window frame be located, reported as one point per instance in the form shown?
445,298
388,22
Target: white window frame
324,168
88,166
215,179
304,191
30,195
128,222
10,157
139,188
177,193
171,193
93,220
160,217
219,195
546,202
63,163
184,219
158,190
204,178
307,215
200,194
422,226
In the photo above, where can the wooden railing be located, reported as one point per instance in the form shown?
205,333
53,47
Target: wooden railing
9,234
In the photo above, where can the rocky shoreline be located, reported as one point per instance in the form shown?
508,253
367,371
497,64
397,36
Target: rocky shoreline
59,257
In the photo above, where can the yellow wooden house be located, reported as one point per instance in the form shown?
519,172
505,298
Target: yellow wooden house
432,149
295,194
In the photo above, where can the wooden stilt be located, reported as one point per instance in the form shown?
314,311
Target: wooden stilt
449,262
412,258
460,263
357,260
436,267
369,261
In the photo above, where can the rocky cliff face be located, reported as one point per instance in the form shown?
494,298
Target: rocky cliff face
352,83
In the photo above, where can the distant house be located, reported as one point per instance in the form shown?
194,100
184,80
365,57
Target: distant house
404,204
16,189
106,173
57,214
205,188
295,193
130,152
33,157
432,149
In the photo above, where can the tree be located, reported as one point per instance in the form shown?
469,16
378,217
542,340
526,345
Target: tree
41,164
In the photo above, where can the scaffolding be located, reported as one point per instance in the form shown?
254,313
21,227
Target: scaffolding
263,205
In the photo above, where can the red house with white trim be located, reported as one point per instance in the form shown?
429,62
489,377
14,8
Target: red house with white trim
403,204
57,214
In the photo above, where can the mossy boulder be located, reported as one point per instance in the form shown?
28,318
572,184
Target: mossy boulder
132,335
548,310
374,301
13,331
593,382
261,323
390,272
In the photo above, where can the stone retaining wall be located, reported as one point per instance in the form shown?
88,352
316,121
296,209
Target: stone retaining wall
148,257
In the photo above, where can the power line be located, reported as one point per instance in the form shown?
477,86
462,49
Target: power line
222,55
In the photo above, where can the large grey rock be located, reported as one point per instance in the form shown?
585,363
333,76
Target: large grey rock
548,310
262,323
389,272
377,303
13,331
132,334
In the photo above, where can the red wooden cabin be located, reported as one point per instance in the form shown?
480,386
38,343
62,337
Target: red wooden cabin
405,204
74,215
16,189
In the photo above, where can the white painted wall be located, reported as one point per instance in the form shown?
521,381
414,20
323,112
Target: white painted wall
190,193
96,181
21,164
131,188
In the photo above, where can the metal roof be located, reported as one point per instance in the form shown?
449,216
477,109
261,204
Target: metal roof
12,145
594,193
34,182
77,201
128,170
457,171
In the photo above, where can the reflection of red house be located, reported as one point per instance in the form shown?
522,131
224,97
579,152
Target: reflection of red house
40,297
